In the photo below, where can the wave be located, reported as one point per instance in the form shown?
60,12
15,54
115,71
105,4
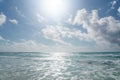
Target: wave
48,66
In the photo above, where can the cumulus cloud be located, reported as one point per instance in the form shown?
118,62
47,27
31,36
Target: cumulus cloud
54,33
113,3
2,19
57,33
33,46
13,21
104,30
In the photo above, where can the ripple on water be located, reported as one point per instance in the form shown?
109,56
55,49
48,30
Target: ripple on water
60,66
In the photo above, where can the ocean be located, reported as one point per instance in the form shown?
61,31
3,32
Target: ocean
59,66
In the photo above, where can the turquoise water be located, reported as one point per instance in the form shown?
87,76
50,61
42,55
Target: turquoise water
60,66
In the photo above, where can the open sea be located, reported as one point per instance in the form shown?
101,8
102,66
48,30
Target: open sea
60,66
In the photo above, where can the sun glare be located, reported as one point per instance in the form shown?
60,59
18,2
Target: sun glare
58,56
54,5
54,8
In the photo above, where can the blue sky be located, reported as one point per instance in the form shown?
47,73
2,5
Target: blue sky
59,25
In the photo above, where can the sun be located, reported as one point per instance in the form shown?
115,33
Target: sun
54,5
54,8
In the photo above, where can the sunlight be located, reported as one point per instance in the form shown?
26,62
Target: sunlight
57,56
54,8
54,5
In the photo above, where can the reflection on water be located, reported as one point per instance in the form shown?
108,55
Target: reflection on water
57,56
59,66
55,66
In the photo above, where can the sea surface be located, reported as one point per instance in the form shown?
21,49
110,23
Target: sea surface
60,66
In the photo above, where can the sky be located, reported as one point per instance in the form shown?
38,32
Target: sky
59,25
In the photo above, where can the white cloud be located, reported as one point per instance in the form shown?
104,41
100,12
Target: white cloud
33,46
1,38
2,19
55,33
22,46
13,21
40,18
58,33
113,3
27,45
119,9
69,20
102,30
19,12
